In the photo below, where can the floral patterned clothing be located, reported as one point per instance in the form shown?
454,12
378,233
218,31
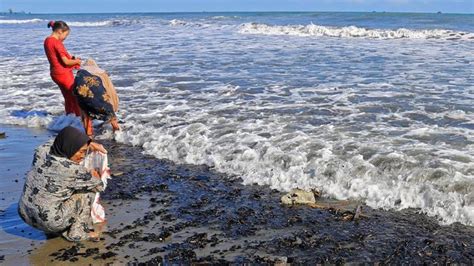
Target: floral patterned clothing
58,195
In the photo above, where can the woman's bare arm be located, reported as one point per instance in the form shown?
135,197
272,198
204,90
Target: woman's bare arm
94,146
71,62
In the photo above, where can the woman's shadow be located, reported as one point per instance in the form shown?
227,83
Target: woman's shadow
13,226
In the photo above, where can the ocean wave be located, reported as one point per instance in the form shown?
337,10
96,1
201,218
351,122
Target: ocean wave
177,22
20,21
182,23
224,17
388,181
115,22
352,32
104,23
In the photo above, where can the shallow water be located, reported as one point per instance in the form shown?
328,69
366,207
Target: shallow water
381,111
16,154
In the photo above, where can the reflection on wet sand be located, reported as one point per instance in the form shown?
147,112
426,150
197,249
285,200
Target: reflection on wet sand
16,153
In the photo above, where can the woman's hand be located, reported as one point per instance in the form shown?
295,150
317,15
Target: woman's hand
78,60
71,62
94,146
114,124
95,173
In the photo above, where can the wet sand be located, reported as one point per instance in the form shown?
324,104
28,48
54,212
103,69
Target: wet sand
16,154
162,212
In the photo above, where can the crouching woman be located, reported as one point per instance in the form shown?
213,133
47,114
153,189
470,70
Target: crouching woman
59,191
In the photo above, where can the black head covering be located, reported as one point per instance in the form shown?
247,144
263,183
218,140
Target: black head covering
68,142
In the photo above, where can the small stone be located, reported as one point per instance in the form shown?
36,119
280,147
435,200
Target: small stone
118,173
298,196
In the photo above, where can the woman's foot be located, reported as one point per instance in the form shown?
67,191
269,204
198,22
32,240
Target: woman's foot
114,124
94,236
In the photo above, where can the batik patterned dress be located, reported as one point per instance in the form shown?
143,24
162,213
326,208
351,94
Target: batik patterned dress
58,195
92,96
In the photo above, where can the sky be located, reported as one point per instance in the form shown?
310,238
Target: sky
106,6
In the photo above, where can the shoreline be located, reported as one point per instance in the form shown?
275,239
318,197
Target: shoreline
159,211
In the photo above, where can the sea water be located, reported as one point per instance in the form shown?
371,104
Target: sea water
371,106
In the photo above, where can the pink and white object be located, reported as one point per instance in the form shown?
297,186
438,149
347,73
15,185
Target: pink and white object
98,161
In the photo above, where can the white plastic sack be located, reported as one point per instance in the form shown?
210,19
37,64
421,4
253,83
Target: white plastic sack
98,161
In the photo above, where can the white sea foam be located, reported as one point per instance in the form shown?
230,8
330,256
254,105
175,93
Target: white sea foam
391,181
21,21
103,23
224,17
194,24
114,22
351,32
177,22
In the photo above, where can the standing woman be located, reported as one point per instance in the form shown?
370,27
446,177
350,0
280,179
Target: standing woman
61,64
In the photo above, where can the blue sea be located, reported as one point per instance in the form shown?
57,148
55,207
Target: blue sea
377,107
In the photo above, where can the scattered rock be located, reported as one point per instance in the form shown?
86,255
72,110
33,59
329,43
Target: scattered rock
198,240
152,251
353,215
91,251
3,135
158,260
118,173
157,238
106,255
181,255
67,254
248,224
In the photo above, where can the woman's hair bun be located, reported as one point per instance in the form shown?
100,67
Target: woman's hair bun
58,25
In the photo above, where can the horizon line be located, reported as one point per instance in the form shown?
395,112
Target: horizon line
266,11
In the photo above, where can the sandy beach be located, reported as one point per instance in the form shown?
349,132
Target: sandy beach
162,212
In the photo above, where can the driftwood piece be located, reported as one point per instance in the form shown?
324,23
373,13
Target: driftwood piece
345,208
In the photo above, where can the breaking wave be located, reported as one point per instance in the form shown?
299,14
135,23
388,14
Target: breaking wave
102,23
115,22
177,22
352,32
191,24
20,21
224,17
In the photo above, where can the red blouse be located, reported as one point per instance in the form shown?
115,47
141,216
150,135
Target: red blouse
54,50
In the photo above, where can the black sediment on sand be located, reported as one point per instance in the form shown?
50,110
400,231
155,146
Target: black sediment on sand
193,214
